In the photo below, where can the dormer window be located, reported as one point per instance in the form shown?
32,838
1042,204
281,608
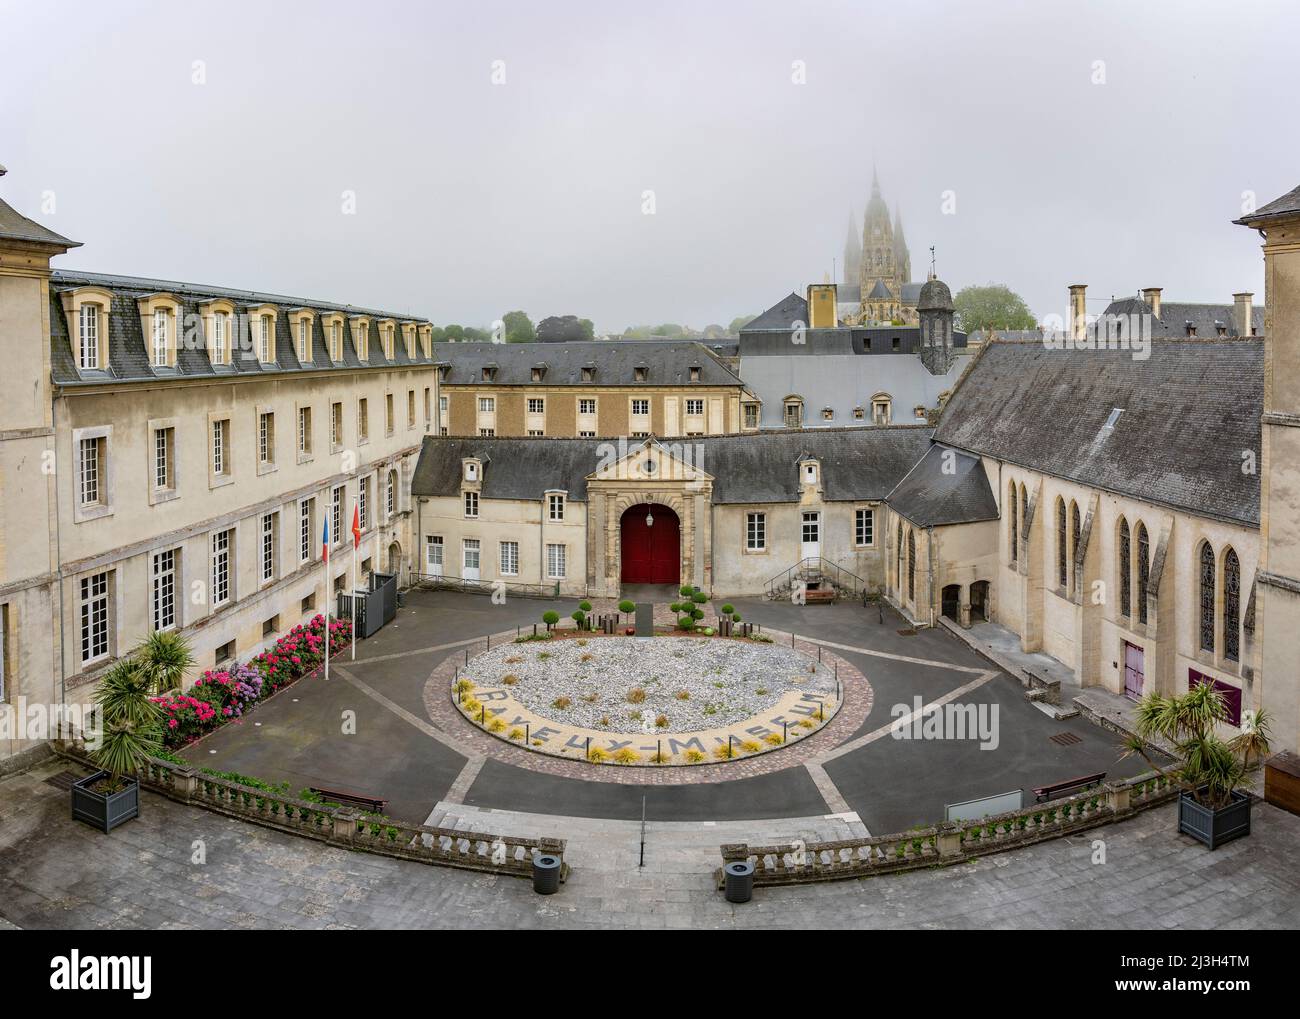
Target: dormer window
489,373
1114,417
589,374
639,373
1221,329
810,472
793,412
828,414
444,372
160,342
264,338
539,372
881,409
471,471
336,342
89,337
859,414
695,373
361,338
1191,329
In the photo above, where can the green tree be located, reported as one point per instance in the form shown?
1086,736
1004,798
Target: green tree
477,335
737,324
588,328
439,334
991,307
519,327
454,333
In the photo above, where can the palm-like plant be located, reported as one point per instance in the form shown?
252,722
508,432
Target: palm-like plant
132,723
165,657
1254,736
1211,768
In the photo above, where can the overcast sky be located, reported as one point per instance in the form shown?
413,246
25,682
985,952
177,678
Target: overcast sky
474,197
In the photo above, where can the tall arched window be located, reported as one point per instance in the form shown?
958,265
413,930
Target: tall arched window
1122,569
911,565
898,571
1231,607
1013,515
1062,566
1144,571
1074,533
1207,598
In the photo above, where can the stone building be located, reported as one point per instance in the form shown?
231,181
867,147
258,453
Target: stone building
169,456
629,387
877,287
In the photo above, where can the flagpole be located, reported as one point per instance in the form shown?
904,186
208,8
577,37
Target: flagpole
356,551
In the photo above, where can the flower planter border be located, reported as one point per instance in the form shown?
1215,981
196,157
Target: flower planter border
104,811
1210,826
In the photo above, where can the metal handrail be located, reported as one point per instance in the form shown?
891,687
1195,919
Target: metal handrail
822,565
439,582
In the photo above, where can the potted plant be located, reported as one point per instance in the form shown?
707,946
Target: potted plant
131,732
1212,806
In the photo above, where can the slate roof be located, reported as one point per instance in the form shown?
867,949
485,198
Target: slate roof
946,487
1190,411
782,315
16,227
1287,205
857,464
842,340
128,355
880,292
666,363
1176,316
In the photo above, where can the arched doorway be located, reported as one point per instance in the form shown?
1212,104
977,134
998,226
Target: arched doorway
951,602
650,538
979,601
395,561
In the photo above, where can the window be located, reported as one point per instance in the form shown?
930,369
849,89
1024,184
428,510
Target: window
881,410
586,434
363,420
219,338
224,654
642,407
586,406
810,529
864,527
1062,562
363,503
164,589
1207,598
1231,607
264,339
487,433
487,404
694,408
859,414
336,516
442,408
89,346
270,625
756,532
221,448
304,431
638,374
164,457
538,374
695,373
1074,533
336,425
336,341
361,338
555,561
470,555
1144,571
535,433
268,547
898,565
306,528
266,438
751,415
556,505
471,505
93,457
388,342
390,494
793,413
1123,569
509,558
221,542
94,617
160,338
828,414
911,565
304,340
1013,531
433,553
410,408
388,414
588,374
428,408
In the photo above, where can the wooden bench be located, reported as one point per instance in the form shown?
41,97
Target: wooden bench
371,803
813,595
1046,792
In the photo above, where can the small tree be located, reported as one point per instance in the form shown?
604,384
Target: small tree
626,607
165,657
686,590
728,608
1210,770
550,617
132,722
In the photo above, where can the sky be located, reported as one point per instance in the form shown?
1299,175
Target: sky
645,163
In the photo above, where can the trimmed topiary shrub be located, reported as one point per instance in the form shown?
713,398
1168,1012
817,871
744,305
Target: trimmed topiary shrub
550,617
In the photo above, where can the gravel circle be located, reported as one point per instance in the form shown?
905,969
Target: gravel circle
594,683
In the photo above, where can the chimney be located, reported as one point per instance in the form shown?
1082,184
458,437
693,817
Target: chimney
1078,311
1241,308
823,309
1152,296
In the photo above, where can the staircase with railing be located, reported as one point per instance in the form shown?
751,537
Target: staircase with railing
822,580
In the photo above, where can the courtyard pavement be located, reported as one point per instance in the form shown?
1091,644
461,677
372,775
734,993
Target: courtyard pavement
368,730
59,873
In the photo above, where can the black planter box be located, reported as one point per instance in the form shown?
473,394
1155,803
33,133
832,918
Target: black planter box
1214,827
104,810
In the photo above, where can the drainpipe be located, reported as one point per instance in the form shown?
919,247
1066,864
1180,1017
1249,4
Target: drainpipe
58,556
934,552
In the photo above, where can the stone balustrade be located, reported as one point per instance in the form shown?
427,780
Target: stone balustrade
953,842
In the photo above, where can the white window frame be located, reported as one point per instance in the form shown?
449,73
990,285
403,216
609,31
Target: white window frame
264,338
756,532
88,331
435,552
306,528
95,617
698,404
471,505
163,574
268,547
555,506
223,580
160,329
868,514
509,558
556,561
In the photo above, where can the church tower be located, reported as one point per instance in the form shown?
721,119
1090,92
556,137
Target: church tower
902,258
881,289
852,252
935,309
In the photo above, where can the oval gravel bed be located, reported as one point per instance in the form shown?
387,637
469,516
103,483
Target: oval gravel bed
618,684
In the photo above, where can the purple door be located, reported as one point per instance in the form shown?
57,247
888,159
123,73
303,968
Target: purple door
1133,675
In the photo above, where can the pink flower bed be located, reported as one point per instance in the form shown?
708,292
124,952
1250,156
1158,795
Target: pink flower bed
221,695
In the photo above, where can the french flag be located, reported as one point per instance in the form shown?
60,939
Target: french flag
325,540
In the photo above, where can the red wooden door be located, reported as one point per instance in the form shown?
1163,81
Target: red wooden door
651,552
1134,675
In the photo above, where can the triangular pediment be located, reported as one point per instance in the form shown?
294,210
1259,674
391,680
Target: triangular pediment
651,460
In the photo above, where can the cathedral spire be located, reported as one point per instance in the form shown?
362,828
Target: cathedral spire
852,251
902,258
